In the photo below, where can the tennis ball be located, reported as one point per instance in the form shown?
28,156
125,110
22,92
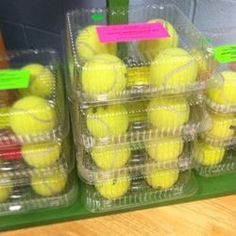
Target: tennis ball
32,115
41,155
208,155
111,157
6,188
163,179
222,126
151,48
168,113
225,93
114,188
107,121
137,111
173,68
4,117
49,185
88,44
42,81
165,149
104,75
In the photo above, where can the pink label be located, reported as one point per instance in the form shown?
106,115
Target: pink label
131,32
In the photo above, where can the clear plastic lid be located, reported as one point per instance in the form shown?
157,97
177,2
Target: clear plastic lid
106,163
122,193
161,117
32,102
110,72
214,160
57,188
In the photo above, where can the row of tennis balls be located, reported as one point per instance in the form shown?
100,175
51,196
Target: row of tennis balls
114,189
113,120
44,185
160,150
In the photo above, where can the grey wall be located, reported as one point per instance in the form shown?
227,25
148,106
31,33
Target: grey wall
39,23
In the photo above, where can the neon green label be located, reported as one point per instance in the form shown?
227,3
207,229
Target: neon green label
225,54
14,79
97,17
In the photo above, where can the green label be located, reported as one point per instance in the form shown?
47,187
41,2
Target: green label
14,79
225,54
97,17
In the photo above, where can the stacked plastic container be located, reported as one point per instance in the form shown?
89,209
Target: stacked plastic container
137,106
215,149
36,161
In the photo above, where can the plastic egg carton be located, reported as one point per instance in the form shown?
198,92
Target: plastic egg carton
212,160
106,163
129,123
32,101
22,161
222,131
128,71
54,189
120,194
223,39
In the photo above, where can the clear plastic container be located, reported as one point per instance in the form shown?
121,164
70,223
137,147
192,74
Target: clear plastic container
223,99
120,124
119,194
32,101
40,191
213,160
133,73
22,161
105,163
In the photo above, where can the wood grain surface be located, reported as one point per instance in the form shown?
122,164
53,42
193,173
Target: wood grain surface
215,217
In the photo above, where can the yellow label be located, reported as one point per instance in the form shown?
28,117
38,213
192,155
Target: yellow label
138,76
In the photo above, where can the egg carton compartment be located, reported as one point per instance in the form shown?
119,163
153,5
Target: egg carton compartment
105,163
181,63
22,161
135,123
223,99
222,131
54,189
210,160
122,193
32,101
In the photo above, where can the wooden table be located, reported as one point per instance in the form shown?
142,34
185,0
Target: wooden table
214,217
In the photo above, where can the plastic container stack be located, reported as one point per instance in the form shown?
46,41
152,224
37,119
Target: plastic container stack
137,106
36,164
215,150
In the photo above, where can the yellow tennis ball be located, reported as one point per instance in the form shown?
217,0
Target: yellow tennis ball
114,188
4,117
111,157
137,111
163,179
168,113
107,121
151,48
42,81
41,155
32,115
6,188
208,155
104,75
224,94
222,126
49,184
88,44
165,149
173,68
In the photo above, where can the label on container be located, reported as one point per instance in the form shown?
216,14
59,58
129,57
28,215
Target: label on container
14,79
131,32
225,54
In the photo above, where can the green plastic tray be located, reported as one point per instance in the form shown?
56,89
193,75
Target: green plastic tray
208,188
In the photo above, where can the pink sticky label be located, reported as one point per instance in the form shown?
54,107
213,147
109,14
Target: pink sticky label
131,32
